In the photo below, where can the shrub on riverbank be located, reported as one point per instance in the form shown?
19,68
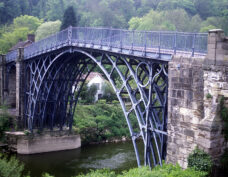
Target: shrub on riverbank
167,170
10,167
4,121
100,122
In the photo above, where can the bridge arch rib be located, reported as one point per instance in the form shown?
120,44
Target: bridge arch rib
50,101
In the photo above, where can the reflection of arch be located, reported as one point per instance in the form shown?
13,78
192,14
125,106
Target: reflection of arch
51,103
10,85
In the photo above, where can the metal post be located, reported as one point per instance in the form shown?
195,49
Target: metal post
175,43
101,38
159,44
121,41
85,34
193,45
110,40
69,35
145,38
132,42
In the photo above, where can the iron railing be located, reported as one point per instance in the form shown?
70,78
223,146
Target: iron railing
128,40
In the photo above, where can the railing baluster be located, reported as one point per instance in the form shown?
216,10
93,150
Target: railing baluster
159,43
69,37
121,41
145,43
193,45
175,43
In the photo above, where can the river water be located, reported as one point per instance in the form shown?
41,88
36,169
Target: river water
115,156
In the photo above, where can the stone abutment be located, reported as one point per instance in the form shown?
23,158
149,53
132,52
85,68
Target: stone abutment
196,86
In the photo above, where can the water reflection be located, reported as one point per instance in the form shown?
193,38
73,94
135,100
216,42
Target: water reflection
115,156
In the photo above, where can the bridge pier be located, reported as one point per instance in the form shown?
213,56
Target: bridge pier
196,86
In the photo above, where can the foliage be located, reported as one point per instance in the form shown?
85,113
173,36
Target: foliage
100,122
11,167
209,96
99,173
199,160
108,93
224,116
177,19
69,18
30,22
47,29
88,93
46,175
19,30
167,170
224,160
4,120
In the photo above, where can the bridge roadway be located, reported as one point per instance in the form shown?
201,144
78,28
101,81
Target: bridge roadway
148,44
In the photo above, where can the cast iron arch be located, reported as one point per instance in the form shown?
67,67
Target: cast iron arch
51,77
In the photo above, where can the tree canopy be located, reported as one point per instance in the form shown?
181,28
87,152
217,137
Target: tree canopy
19,17
69,18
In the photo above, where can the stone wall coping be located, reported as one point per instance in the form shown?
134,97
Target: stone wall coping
215,31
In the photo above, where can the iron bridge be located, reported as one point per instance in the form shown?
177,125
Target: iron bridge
134,62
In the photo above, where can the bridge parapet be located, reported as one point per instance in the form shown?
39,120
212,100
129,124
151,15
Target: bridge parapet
151,44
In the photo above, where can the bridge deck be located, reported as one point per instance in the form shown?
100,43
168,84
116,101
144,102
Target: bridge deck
148,44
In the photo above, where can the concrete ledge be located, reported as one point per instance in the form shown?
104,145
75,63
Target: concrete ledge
40,143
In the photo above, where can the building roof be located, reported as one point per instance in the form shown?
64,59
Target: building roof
21,44
92,75
29,41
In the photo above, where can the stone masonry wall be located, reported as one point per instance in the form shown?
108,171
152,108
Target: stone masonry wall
196,86
10,94
185,107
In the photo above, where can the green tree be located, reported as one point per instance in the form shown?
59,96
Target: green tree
47,28
55,10
108,93
69,18
152,21
187,5
9,39
204,8
32,23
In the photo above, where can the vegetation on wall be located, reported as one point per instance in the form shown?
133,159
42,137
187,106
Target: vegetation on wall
224,116
200,160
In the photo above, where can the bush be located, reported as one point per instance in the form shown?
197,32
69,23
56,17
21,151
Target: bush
11,167
99,173
4,121
101,122
224,160
199,160
167,170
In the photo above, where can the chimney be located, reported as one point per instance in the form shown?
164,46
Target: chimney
31,37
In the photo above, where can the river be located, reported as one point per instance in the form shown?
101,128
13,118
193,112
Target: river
115,156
